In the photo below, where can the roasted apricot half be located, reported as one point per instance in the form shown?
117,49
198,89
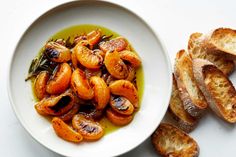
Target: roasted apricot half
65,131
130,57
88,58
40,84
80,85
117,44
60,81
121,105
101,92
115,66
118,119
127,89
93,37
57,52
55,105
89,129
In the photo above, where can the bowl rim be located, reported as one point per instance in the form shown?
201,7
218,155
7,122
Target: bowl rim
64,4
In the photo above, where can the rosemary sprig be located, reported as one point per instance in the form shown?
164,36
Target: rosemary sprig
39,64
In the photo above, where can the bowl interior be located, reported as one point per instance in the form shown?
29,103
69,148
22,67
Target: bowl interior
156,66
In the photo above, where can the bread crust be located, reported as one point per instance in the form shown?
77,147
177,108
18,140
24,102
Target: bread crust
221,41
191,96
197,49
217,89
183,120
170,141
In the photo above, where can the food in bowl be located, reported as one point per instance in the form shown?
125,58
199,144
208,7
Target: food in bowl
88,80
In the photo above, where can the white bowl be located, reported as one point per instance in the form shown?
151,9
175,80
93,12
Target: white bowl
156,66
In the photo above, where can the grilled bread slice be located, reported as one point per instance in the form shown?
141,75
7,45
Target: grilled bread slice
170,141
222,41
217,89
193,100
197,49
184,121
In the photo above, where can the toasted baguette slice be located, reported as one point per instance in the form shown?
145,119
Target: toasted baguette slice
170,141
217,88
184,121
222,41
197,49
191,96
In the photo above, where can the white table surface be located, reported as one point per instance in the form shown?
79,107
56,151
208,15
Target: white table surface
174,20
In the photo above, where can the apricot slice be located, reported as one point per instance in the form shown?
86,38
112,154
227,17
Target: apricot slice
130,57
127,89
89,129
118,119
121,105
57,52
80,85
88,58
60,81
117,44
101,92
40,84
65,131
94,37
115,66
55,105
